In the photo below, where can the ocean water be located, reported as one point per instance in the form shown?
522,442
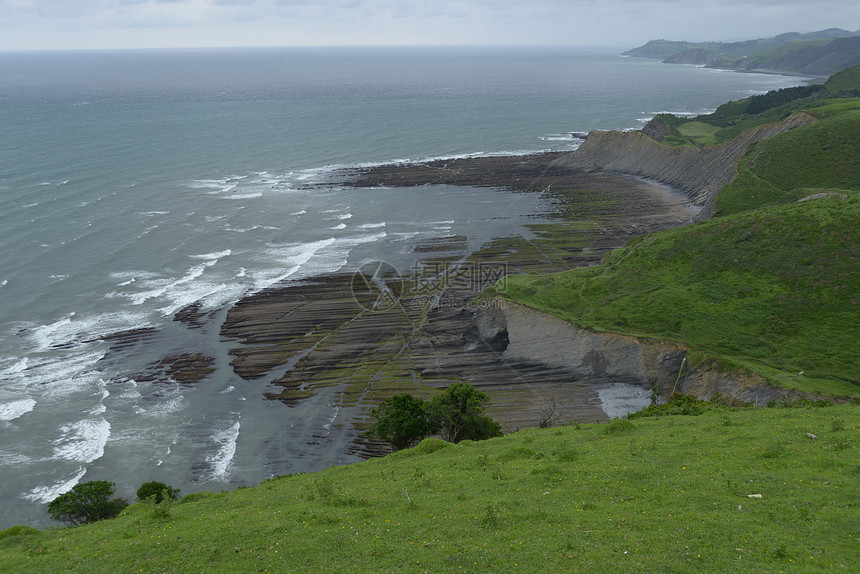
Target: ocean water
133,184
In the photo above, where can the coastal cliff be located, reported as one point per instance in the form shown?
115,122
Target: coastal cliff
652,364
699,172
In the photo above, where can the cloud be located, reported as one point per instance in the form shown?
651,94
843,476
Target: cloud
34,24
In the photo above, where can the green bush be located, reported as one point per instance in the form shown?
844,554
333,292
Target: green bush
618,425
18,530
459,412
402,421
156,489
87,502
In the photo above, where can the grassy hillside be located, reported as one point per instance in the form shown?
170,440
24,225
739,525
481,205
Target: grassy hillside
772,290
819,157
816,57
744,490
839,94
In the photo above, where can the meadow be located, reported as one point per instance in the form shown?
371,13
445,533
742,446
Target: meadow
728,490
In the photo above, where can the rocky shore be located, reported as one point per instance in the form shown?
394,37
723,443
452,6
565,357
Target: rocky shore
357,337
332,332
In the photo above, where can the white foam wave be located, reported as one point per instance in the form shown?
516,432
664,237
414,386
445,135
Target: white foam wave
164,408
219,185
345,216
372,225
82,441
19,365
559,138
213,255
221,460
45,494
338,227
16,409
327,425
59,377
404,236
253,195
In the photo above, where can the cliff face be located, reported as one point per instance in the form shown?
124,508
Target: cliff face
698,172
554,342
589,356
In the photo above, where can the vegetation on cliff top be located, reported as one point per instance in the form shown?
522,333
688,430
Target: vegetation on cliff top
839,94
748,489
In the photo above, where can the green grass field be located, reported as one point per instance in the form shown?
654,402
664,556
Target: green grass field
659,494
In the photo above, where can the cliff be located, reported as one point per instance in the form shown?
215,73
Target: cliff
557,344
699,172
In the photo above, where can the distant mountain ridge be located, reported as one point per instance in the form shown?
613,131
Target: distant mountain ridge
820,53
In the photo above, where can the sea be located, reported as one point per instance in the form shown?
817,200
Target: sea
136,183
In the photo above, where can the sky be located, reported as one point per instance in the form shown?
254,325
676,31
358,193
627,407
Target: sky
122,24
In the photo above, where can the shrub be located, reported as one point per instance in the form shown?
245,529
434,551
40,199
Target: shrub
617,425
677,404
86,503
401,421
156,489
459,413
18,530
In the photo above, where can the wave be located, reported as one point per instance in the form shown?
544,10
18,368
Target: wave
214,255
221,460
45,494
16,409
82,441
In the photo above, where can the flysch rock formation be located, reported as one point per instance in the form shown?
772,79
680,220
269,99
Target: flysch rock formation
314,335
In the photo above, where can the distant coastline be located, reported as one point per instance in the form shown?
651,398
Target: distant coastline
816,54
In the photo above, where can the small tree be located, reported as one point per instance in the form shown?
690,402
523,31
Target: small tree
401,421
87,502
459,414
156,489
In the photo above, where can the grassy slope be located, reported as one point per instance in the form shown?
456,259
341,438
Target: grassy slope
783,168
839,94
664,494
774,290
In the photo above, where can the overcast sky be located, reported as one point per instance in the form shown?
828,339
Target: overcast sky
96,24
